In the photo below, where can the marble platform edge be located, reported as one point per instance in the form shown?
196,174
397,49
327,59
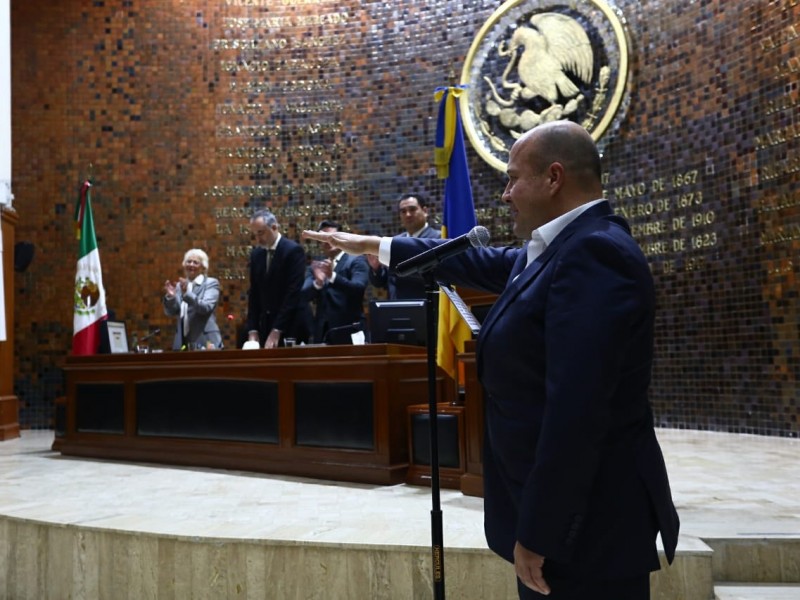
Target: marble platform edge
687,545
261,541
764,561
40,560
43,562
755,591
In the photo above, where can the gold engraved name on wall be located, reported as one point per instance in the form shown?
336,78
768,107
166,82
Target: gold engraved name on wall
536,61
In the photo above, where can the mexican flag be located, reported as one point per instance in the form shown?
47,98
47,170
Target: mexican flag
90,296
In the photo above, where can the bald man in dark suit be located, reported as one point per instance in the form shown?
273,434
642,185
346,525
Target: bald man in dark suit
575,485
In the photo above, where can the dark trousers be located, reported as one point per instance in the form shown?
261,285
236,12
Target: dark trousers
635,588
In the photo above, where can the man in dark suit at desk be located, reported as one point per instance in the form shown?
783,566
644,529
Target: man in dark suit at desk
413,210
575,485
275,309
336,286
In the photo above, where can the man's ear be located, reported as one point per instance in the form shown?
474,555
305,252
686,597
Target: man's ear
555,176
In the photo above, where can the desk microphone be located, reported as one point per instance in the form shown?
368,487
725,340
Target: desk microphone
155,331
353,326
477,237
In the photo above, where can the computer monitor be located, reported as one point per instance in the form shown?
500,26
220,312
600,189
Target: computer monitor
398,322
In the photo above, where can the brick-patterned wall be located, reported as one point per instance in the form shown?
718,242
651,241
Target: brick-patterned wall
146,96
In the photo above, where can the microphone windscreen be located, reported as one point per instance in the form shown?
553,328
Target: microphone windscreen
478,237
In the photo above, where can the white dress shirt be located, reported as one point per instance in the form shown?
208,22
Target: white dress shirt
185,307
542,237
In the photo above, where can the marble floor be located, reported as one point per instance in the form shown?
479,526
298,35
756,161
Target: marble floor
726,487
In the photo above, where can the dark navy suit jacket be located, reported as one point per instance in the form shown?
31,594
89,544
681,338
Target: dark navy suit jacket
339,303
274,300
572,468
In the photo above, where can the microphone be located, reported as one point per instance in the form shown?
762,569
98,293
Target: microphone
155,331
354,326
477,237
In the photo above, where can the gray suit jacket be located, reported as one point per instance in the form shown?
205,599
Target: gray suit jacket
201,303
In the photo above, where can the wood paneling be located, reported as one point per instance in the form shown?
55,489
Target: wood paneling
397,374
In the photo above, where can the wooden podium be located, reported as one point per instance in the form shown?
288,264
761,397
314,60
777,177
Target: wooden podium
461,424
331,412
450,426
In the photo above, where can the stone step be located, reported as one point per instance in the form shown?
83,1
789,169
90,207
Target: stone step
757,591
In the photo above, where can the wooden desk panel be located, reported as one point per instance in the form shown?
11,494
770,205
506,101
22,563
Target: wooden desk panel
397,376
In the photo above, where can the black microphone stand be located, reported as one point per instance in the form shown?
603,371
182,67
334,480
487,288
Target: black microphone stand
437,536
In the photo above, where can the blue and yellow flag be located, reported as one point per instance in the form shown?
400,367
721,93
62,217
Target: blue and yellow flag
450,158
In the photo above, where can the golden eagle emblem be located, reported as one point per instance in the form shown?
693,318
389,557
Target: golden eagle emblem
537,61
554,45
542,57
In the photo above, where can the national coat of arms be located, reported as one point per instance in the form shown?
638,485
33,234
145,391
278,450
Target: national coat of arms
536,61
